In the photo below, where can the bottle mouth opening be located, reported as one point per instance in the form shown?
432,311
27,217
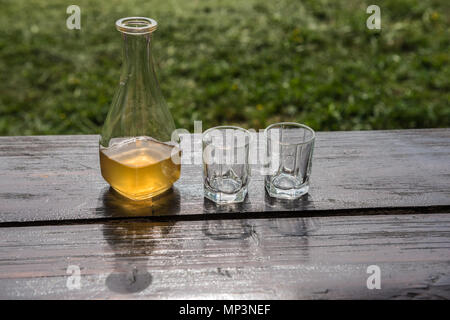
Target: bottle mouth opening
136,25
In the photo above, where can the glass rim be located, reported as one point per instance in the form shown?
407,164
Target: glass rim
294,124
247,134
145,25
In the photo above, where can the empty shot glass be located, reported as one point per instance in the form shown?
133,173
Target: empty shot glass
289,155
226,170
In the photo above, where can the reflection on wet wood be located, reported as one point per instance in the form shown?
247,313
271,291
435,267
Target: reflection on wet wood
56,178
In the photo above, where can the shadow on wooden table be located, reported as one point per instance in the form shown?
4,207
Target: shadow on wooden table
295,226
133,241
228,229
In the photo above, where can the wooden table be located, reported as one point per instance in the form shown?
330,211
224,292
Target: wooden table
377,198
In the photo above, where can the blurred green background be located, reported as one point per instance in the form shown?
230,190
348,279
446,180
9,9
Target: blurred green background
248,63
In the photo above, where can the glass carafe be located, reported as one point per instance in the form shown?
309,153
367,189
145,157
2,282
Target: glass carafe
139,154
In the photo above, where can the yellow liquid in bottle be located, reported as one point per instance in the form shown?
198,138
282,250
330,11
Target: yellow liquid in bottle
140,168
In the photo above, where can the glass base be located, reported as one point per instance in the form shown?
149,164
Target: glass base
224,198
285,189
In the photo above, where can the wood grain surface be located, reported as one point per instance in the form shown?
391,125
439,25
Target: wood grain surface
46,179
377,198
287,258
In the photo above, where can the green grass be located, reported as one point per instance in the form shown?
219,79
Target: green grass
248,63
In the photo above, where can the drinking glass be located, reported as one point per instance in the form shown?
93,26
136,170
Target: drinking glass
226,170
289,155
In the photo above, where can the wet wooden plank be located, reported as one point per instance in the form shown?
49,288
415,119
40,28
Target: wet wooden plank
288,258
55,178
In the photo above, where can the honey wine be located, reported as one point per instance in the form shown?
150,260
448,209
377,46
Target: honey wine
140,168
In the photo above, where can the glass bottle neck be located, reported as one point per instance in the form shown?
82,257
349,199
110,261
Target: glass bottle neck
138,108
137,54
